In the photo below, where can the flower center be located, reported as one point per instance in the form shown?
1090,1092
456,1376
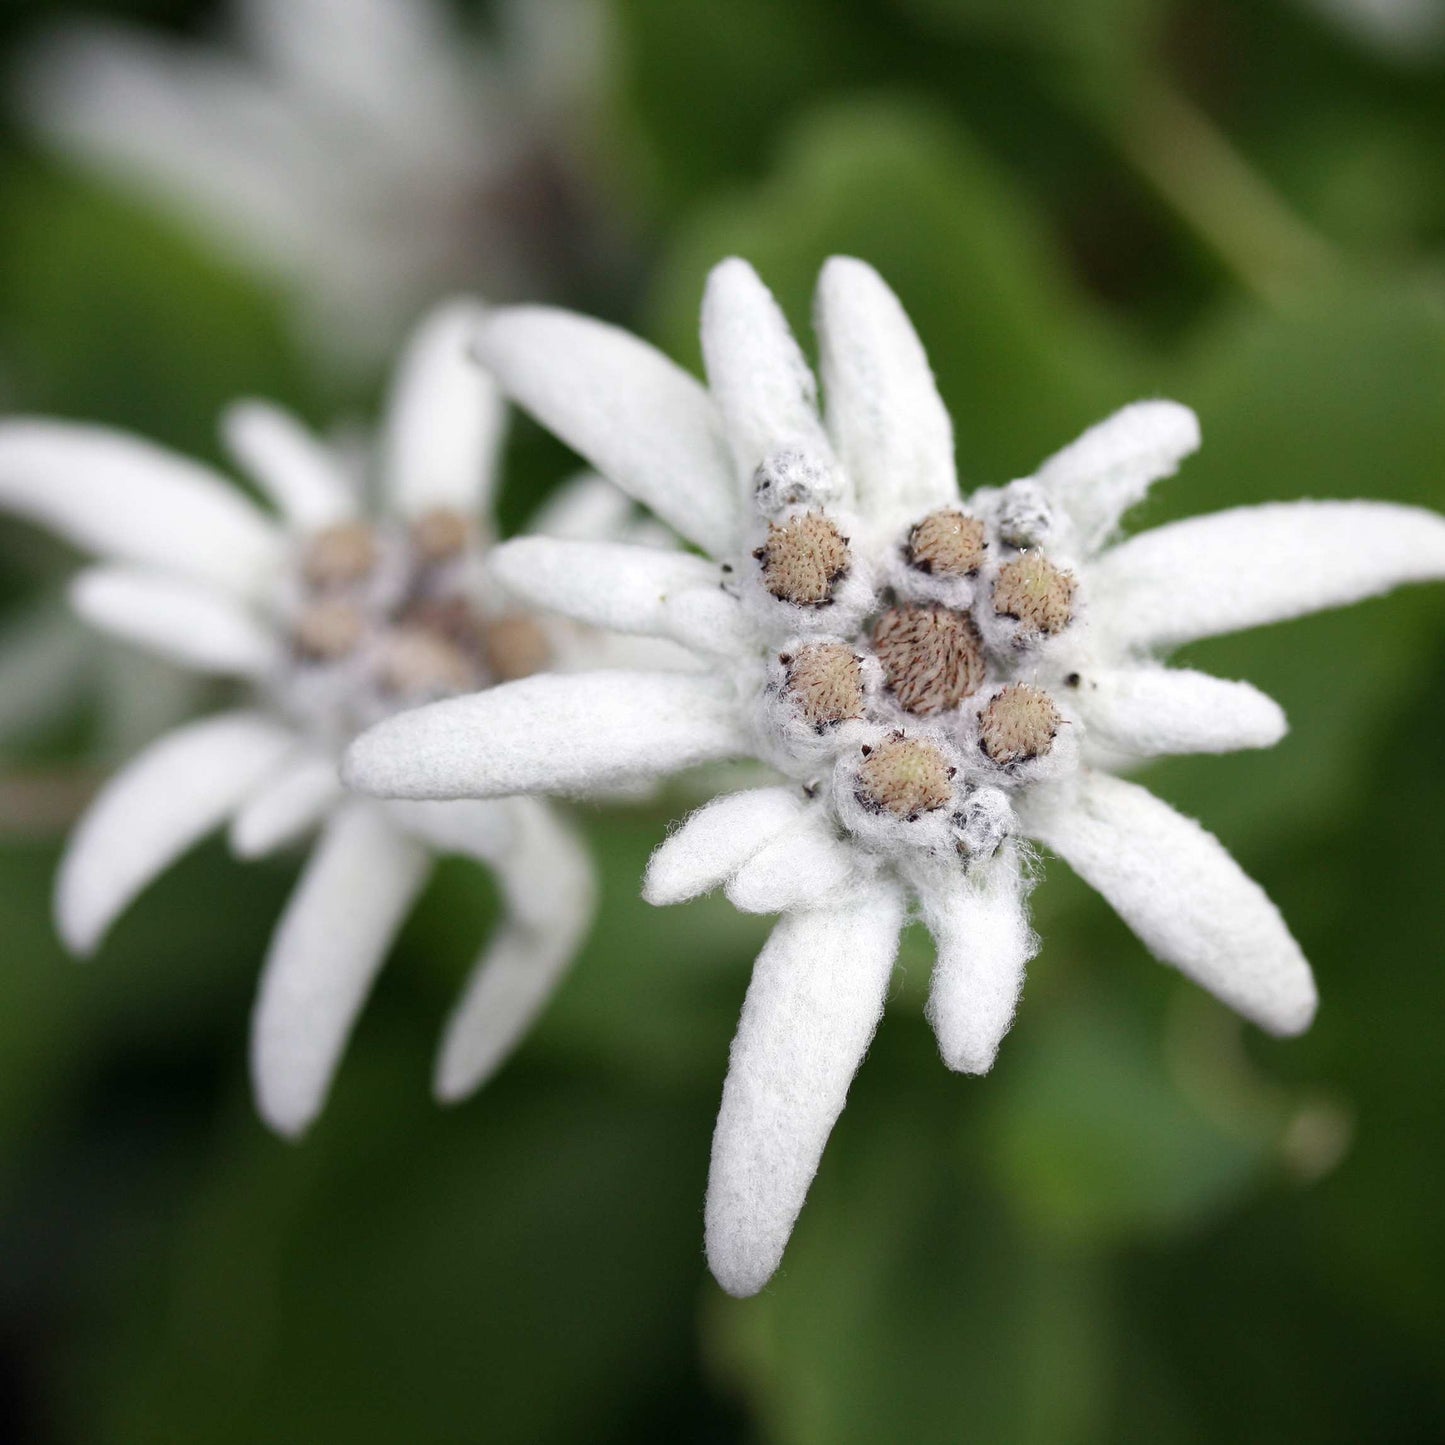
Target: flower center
932,657
385,617
928,625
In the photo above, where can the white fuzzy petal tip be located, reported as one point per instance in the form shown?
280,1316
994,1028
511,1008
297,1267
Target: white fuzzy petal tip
642,421
887,420
358,886
160,805
1189,902
980,926
1254,565
716,841
815,998
445,419
758,375
1156,711
549,894
127,500
1106,471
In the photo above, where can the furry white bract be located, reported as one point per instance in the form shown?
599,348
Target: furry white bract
980,927
548,895
300,475
758,376
185,621
286,806
1100,475
444,419
1156,711
799,869
157,807
716,841
815,998
130,501
643,422
1175,885
888,423
548,734
359,884
1253,565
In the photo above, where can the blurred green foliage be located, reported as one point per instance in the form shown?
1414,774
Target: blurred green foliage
1149,1223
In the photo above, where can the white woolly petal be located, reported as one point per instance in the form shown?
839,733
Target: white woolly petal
287,807
549,734
162,803
1153,711
549,894
482,829
299,473
1180,891
358,886
1099,476
133,502
1254,565
815,998
639,419
185,621
585,508
800,869
979,921
885,416
716,841
758,375
445,419
624,588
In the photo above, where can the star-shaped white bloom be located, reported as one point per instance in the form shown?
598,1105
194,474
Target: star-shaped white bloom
332,618
940,681
365,153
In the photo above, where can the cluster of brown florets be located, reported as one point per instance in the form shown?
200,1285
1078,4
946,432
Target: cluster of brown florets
941,674
387,616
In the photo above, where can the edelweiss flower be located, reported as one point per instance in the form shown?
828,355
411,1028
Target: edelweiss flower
366,153
938,679
333,620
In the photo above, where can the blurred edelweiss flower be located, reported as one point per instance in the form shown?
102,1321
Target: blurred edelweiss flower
939,679
364,152
334,619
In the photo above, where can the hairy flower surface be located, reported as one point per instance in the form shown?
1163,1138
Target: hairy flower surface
940,680
332,618
367,154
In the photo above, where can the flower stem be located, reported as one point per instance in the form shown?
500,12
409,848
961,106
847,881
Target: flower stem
1208,184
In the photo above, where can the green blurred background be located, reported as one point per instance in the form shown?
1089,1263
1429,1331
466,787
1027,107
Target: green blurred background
1149,1223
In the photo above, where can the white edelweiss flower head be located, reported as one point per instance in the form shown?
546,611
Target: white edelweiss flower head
332,619
975,681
